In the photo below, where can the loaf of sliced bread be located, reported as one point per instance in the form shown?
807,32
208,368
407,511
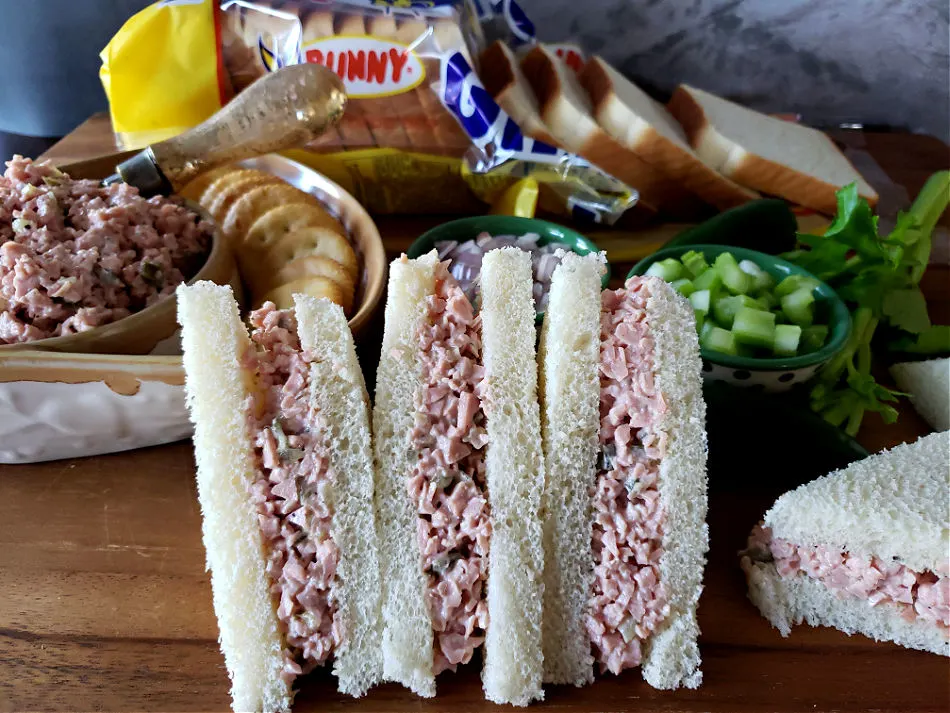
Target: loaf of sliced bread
507,85
546,100
770,155
646,128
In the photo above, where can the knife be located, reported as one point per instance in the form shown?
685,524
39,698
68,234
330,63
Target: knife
285,109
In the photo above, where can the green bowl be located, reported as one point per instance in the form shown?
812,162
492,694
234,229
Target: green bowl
775,373
469,228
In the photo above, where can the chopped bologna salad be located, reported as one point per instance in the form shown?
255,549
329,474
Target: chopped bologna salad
75,254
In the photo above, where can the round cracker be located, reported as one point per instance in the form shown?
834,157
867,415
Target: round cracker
283,296
228,189
309,241
195,188
261,276
252,205
319,266
278,222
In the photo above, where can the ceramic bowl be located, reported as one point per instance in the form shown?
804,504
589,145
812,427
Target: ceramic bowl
778,373
143,331
469,228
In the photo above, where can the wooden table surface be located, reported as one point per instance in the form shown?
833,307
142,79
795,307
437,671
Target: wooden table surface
105,605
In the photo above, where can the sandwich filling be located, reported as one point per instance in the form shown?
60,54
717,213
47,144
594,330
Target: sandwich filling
917,595
447,485
629,600
290,492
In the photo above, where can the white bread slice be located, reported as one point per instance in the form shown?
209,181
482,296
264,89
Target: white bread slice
214,340
672,655
569,356
503,79
515,475
565,111
338,393
890,505
787,601
645,127
777,157
928,383
407,628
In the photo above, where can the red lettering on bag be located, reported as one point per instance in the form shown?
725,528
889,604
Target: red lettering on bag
398,60
376,67
355,65
314,56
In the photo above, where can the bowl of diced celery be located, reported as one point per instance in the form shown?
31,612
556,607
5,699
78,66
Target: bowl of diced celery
762,321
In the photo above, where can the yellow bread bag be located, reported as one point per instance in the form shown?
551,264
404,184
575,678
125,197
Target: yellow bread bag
420,134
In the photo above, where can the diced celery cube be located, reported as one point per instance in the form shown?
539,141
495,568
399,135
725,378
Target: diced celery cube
725,308
694,262
709,280
684,286
735,280
700,300
813,338
761,280
668,269
719,340
798,306
754,327
787,337
792,283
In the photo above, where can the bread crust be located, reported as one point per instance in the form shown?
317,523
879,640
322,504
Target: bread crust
789,601
752,170
657,150
656,189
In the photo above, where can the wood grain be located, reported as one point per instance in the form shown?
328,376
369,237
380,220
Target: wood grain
105,604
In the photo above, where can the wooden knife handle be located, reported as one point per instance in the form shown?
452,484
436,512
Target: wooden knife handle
285,109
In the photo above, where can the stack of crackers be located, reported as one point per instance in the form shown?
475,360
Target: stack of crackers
284,239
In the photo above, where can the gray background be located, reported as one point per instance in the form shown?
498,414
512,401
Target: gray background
869,61
866,61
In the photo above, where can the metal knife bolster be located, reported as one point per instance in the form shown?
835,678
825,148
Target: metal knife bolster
142,171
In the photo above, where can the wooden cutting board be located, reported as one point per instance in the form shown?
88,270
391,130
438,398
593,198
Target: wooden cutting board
105,605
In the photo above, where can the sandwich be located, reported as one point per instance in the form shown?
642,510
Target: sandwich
285,482
625,500
459,477
928,383
777,157
863,549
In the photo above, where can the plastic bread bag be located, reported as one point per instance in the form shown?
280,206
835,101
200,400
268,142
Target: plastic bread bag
403,146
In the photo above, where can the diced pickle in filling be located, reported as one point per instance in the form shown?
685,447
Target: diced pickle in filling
918,595
629,600
289,493
447,485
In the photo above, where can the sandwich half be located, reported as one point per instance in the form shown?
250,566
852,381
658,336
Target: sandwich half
625,465
928,383
865,549
285,483
459,477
